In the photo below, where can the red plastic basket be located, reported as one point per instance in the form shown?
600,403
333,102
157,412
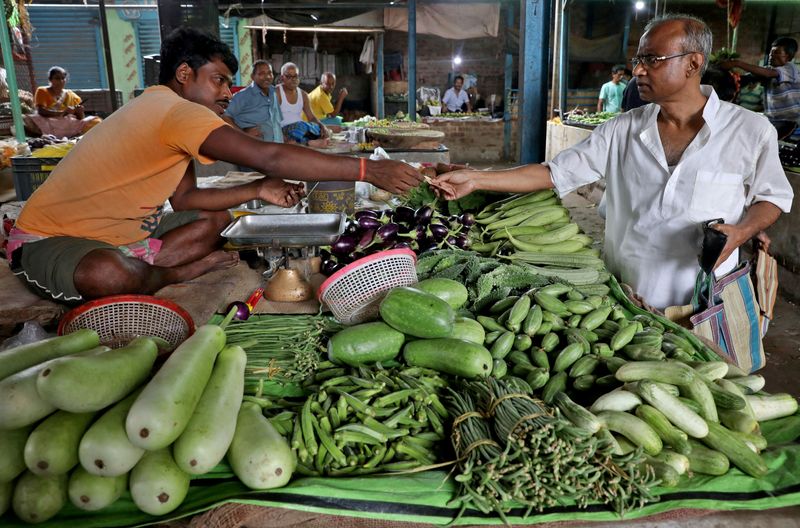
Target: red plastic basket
354,292
120,318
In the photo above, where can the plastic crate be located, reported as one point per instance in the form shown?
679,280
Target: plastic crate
29,173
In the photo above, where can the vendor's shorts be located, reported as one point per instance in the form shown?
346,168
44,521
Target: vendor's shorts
48,266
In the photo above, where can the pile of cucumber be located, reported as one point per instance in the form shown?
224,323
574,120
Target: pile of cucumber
85,423
644,383
536,230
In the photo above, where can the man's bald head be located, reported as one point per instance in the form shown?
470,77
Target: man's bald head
696,36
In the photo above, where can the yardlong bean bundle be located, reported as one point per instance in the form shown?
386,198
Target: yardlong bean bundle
283,348
514,450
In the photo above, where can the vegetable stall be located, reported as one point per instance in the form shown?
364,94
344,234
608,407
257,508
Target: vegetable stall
512,381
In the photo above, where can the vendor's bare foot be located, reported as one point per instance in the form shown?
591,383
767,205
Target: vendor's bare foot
220,260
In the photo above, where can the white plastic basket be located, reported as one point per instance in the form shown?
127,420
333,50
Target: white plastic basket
354,292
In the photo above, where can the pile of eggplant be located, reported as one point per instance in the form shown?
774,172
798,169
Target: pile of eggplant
422,230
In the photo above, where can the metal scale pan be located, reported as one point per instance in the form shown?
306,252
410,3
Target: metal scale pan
285,230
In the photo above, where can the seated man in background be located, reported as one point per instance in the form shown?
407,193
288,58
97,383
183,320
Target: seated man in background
295,105
456,98
321,100
255,109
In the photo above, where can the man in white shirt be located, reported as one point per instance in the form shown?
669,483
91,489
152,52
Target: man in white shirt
669,166
455,98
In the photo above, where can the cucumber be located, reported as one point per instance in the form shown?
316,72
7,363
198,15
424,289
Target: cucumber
617,400
499,368
669,434
578,307
772,406
114,375
706,461
468,330
522,342
451,356
6,490
22,404
577,414
417,313
163,408
22,357
532,321
676,412
12,453
453,293
698,391
503,345
568,355
90,492
365,344
557,383
735,449
634,429
259,456
540,358
781,430
203,443
537,378
105,449
38,498
52,448
157,484
671,372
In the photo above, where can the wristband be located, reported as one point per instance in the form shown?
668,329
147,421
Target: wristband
362,173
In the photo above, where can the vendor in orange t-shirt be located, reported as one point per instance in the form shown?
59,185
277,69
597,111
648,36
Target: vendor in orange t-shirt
97,225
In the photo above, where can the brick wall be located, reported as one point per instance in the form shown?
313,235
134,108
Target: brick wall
475,141
484,57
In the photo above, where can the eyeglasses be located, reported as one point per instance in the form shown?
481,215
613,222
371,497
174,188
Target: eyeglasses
649,61
292,76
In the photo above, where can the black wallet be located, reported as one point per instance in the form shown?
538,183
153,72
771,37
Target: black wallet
713,243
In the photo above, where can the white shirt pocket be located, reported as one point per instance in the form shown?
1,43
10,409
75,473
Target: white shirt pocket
717,195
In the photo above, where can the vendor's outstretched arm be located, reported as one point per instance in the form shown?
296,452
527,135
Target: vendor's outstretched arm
526,178
298,163
759,216
761,71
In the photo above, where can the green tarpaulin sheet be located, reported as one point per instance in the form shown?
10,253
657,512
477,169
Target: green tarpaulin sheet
423,498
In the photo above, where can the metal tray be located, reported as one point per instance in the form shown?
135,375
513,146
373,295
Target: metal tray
285,230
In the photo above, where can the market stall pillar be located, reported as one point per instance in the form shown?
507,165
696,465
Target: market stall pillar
11,79
412,60
508,74
533,54
379,75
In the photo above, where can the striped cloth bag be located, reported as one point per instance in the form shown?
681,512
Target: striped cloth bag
765,277
727,312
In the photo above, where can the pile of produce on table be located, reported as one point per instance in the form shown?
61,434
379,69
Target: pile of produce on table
593,119
532,386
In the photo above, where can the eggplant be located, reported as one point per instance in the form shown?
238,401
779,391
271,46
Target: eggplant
467,220
387,233
439,232
427,245
367,212
401,245
462,242
423,215
242,310
324,254
366,240
344,245
329,267
451,241
352,228
368,222
403,215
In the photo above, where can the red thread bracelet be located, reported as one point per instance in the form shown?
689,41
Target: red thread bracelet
362,169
